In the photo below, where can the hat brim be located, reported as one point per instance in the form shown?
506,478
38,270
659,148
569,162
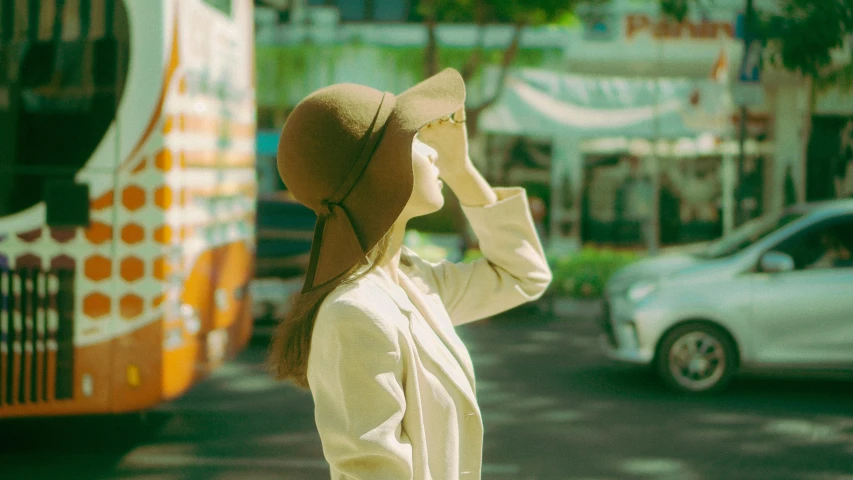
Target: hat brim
436,97
378,198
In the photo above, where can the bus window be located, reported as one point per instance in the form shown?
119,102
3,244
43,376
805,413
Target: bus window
58,94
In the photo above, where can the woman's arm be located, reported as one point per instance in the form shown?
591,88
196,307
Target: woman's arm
355,375
514,269
470,187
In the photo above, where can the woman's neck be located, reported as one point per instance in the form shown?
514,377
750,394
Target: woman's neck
391,262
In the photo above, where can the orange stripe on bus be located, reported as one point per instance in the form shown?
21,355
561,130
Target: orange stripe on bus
215,190
163,160
158,300
213,158
163,234
104,201
216,126
191,229
141,165
137,368
169,123
195,123
199,158
174,60
162,268
87,360
239,159
234,271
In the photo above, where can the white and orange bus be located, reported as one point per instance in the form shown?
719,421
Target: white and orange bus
127,199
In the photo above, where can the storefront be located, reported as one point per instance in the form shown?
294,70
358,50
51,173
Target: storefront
696,189
618,159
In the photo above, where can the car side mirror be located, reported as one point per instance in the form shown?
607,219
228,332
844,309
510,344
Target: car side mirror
776,262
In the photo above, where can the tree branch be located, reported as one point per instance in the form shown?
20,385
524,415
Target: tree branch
476,57
508,58
431,53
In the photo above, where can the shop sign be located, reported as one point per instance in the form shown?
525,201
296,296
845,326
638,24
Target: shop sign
667,29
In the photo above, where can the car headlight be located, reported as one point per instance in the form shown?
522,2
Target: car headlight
640,290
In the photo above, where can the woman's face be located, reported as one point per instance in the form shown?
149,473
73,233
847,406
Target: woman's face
426,192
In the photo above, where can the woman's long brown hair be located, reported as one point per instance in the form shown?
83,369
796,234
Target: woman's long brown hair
291,340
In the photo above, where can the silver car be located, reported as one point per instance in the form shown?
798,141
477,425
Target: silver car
775,293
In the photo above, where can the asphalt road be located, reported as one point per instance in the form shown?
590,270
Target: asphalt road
553,407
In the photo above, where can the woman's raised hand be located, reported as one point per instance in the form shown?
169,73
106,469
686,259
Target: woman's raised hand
449,137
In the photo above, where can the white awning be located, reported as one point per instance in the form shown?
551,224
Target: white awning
538,102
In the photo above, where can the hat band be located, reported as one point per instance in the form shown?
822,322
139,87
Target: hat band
325,210
374,135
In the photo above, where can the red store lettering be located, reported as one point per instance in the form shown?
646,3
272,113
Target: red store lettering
668,29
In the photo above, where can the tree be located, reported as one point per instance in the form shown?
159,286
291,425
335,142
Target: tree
810,37
481,13
800,35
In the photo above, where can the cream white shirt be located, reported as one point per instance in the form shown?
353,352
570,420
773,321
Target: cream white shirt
393,385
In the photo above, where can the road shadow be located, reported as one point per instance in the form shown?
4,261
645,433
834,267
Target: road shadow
556,408
85,447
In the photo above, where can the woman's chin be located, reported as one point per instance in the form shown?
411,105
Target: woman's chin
436,206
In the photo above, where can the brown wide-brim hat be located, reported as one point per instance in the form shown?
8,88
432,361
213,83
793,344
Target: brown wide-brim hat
346,152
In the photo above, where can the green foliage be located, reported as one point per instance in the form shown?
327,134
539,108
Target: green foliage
676,9
425,246
581,274
808,31
584,274
471,255
283,70
527,12
801,35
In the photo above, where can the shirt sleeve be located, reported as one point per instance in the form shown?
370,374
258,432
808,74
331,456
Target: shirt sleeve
355,375
513,269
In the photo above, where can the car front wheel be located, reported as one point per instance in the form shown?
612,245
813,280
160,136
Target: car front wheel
696,358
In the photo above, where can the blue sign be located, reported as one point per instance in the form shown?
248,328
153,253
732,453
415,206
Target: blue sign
750,65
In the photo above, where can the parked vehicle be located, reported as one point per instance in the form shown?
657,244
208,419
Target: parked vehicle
127,200
285,228
776,293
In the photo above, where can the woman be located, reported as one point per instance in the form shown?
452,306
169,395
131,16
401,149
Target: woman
372,333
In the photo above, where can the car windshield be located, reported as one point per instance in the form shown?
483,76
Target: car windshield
748,234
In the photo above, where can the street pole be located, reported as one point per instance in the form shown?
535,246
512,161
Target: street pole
749,12
653,231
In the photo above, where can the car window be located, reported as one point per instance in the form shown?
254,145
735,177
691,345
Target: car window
748,234
827,245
